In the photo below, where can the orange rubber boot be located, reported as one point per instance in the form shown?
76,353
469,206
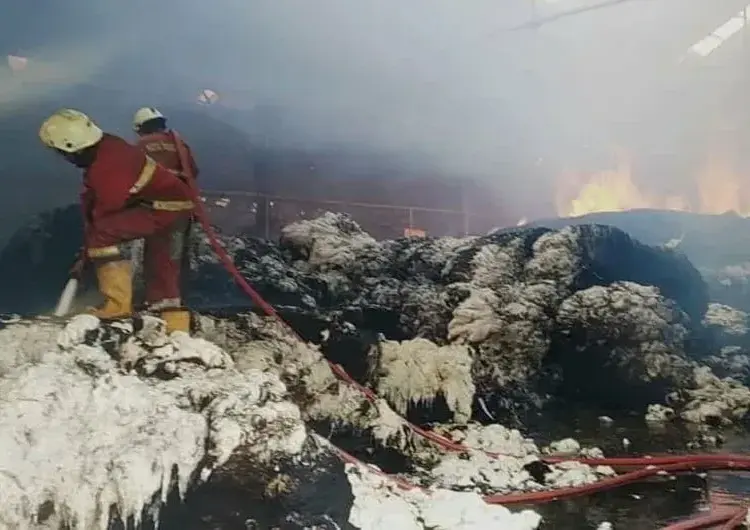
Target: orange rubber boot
116,285
176,319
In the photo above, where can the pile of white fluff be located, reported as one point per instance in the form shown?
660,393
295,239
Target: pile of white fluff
324,398
507,472
330,240
731,321
380,505
82,434
506,314
417,370
652,348
715,400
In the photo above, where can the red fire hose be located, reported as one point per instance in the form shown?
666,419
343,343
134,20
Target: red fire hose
727,519
650,466
737,521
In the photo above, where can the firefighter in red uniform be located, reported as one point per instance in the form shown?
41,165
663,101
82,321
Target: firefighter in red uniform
170,151
126,196
160,143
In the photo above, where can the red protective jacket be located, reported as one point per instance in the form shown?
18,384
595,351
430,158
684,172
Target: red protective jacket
161,147
122,175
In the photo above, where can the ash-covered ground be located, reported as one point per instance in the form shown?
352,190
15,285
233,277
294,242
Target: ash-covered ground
483,339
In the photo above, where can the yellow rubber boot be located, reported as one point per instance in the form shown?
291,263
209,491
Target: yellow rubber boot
176,319
116,286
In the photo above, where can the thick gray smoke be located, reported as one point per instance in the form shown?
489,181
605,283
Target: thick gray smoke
462,88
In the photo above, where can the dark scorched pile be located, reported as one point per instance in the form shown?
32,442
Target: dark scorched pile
508,320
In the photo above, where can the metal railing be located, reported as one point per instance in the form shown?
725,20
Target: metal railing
265,215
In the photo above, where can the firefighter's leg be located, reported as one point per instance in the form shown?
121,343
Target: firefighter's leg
115,278
114,273
162,264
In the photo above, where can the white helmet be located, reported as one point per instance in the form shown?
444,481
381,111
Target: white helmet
145,114
69,131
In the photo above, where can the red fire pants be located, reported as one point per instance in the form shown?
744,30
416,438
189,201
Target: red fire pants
163,233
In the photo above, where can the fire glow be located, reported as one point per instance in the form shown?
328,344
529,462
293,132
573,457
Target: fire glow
716,189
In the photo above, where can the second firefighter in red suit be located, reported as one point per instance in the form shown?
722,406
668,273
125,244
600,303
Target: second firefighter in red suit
126,196
170,151
161,143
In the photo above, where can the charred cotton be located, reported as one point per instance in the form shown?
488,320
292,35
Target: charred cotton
450,330
529,313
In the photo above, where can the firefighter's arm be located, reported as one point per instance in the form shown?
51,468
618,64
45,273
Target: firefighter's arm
111,189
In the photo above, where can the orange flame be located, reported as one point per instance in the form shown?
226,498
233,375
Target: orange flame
718,189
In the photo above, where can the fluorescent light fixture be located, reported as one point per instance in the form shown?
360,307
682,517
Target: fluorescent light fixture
721,34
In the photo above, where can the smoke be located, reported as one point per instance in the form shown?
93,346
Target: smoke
451,84
47,74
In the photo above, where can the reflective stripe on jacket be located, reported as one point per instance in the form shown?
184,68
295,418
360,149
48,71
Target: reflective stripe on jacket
122,175
161,146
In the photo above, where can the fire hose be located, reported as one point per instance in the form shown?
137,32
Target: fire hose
650,466
645,467
736,521
729,520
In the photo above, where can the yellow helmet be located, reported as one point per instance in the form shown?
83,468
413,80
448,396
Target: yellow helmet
69,131
145,114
